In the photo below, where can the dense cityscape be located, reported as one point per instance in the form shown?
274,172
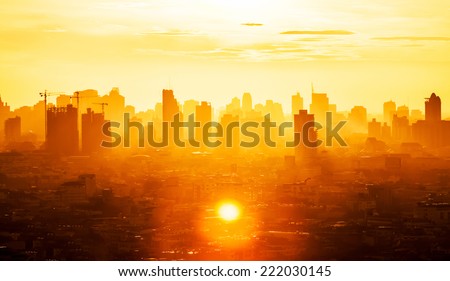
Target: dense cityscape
378,189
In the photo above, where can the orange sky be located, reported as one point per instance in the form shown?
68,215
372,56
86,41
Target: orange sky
361,52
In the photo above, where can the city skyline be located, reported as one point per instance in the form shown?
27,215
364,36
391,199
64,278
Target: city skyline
170,124
306,99
225,130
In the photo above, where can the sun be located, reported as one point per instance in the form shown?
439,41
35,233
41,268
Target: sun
229,212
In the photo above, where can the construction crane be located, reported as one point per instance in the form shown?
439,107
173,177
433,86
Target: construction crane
46,94
77,97
103,105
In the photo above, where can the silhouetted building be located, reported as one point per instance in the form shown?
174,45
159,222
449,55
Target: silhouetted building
433,108
416,115
304,128
332,108
403,111
158,111
247,104
319,106
296,103
13,129
63,100
357,119
36,120
234,108
203,115
401,131
5,112
389,109
386,132
170,106
91,131
62,130
189,107
231,138
275,110
130,110
432,132
170,109
82,100
114,100
374,129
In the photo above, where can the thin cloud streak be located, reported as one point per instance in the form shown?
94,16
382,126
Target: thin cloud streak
252,24
413,38
317,32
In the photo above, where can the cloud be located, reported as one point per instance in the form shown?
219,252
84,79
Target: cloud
412,45
413,38
311,39
317,32
169,33
252,24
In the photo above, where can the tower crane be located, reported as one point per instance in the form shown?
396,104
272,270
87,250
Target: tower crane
76,95
46,94
103,105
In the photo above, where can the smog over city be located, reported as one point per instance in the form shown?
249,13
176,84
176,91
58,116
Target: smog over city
224,131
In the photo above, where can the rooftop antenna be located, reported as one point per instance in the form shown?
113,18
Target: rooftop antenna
312,88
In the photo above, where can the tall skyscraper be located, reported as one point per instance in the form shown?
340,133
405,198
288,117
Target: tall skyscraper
62,130
296,103
91,131
247,104
231,138
319,106
170,106
389,109
357,119
170,109
12,129
304,127
433,108
203,115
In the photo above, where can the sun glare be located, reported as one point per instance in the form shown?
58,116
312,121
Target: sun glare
229,212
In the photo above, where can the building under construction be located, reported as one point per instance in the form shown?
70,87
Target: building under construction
91,131
62,130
